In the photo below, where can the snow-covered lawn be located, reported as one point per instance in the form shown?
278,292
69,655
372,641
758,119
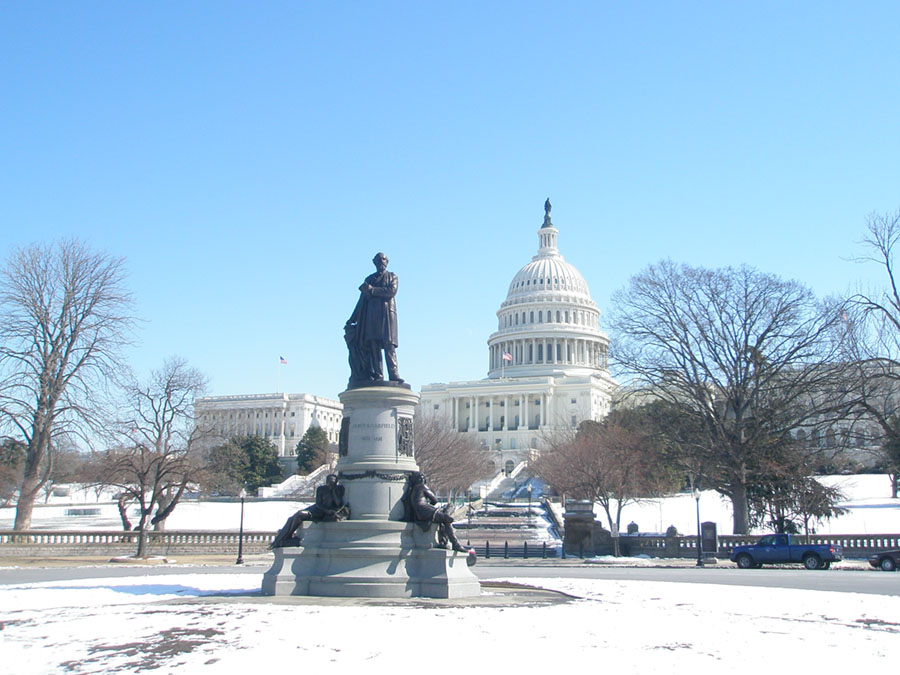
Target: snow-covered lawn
871,510
140,623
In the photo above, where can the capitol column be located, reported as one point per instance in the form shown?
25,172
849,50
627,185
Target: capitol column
490,419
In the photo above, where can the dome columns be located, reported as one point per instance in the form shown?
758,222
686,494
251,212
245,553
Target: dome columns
545,351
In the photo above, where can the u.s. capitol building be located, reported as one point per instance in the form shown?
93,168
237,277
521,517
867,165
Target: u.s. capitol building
547,363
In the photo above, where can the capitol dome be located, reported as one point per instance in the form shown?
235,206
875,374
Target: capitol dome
548,324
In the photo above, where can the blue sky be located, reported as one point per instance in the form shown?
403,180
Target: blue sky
248,159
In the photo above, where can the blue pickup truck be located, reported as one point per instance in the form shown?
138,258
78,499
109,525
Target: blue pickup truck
776,549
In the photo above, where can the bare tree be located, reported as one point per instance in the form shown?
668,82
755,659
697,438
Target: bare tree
607,462
156,460
873,323
748,357
451,460
63,318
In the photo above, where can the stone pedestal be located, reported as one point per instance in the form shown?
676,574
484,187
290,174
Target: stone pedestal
372,554
370,559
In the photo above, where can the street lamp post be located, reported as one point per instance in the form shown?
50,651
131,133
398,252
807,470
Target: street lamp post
240,558
529,500
469,516
699,540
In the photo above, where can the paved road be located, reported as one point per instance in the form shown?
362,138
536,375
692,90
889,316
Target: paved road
847,580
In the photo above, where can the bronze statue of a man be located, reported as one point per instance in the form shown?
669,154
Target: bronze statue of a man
419,506
329,506
372,328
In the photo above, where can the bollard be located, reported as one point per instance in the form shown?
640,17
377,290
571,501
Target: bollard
525,550
506,549
487,549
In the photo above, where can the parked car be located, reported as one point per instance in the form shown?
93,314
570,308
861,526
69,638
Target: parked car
886,560
784,548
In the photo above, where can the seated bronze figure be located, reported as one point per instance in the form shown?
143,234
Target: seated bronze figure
419,506
329,507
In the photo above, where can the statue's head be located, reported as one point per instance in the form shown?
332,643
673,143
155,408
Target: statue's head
416,477
331,480
381,261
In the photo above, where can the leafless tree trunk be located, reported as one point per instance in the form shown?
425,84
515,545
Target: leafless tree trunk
63,318
750,358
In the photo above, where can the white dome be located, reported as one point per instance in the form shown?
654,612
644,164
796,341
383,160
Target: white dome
548,323
548,274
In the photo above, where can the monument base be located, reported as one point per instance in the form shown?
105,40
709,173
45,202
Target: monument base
370,559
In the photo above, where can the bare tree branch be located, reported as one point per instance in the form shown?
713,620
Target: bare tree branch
750,358
452,461
63,319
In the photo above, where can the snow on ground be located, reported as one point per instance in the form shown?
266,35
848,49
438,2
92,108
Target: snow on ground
872,511
137,623
868,499
262,516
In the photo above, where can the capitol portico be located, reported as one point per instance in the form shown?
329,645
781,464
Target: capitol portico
547,362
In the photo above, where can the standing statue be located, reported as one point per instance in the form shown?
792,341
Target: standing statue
372,328
547,207
329,507
419,507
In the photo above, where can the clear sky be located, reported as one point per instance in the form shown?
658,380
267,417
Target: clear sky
248,159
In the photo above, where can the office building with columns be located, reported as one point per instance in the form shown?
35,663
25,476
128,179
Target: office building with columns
281,418
547,363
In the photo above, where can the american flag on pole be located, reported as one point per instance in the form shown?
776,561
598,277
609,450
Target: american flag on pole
282,360
507,357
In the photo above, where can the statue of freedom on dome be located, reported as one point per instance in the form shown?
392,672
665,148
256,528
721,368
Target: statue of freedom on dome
372,328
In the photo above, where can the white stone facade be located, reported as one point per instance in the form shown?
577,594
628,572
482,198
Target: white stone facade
554,374
281,418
